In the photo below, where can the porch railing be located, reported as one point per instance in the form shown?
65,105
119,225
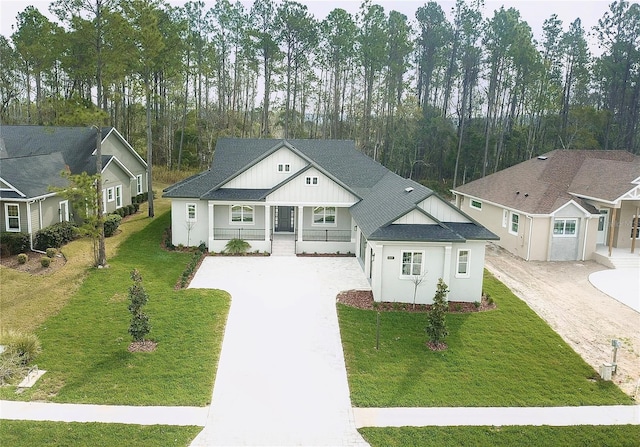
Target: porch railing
247,234
327,235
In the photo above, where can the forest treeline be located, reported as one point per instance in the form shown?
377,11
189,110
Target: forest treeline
436,97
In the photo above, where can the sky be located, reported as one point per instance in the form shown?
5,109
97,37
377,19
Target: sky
534,12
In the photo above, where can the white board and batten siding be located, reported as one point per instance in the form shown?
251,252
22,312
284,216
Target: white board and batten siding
441,210
265,173
326,192
415,218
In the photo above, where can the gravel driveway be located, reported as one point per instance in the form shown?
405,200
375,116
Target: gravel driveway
586,318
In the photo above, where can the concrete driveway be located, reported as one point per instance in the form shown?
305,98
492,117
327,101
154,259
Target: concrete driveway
282,378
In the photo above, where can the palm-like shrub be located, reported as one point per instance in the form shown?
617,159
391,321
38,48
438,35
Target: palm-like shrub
237,247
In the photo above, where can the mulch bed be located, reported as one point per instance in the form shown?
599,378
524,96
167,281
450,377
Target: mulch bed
142,346
33,266
363,299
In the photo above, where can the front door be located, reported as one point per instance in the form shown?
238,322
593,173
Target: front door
603,224
284,219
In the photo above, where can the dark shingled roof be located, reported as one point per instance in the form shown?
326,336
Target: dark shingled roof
543,184
472,231
384,196
33,176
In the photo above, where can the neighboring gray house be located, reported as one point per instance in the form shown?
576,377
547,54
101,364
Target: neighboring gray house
32,159
324,196
565,205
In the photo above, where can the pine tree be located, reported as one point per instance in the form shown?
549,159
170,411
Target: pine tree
436,324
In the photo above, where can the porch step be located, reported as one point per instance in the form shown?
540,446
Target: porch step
283,245
619,260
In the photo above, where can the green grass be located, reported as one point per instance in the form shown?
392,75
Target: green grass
504,357
31,433
575,436
85,343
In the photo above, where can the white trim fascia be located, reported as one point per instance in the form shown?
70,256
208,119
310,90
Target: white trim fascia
29,199
336,204
636,181
120,164
125,142
594,198
627,195
584,211
12,188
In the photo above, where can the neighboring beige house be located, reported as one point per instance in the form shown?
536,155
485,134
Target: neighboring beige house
32,159
324,196
561,206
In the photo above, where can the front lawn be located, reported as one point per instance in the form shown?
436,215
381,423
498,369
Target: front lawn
30,433
85,344
504,357
575,436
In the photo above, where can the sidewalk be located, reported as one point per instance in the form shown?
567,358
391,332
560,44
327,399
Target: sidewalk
120,414
497,416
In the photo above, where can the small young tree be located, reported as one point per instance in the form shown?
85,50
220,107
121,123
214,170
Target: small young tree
436,324
138,297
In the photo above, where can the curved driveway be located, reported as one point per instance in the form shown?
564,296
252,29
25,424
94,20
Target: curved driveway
281,379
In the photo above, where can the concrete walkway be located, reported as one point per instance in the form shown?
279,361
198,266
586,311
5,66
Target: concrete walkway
281,379
620,284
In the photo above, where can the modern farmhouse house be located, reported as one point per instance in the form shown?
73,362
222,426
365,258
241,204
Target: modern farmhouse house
565,205
32,159
324,196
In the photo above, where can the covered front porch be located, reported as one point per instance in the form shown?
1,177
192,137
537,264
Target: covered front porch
312,229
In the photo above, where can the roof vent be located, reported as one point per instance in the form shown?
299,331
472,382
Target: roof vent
542,157
408,189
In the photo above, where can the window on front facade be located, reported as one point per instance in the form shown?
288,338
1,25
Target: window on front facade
241,214
412,263
515,223
564,227
191,212
311,180
463,264
139,183
119,196
12,213
284,167
476,204
110,196
324,215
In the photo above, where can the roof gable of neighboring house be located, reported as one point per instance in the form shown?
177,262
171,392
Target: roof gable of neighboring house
31,177
543,184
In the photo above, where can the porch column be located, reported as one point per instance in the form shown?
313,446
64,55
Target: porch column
267,223
447,264
612,229
211,226
300,220
635,230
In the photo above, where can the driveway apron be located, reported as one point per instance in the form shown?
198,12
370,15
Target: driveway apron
281,379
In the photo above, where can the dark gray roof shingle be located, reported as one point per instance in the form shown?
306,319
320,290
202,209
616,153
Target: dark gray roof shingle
33,176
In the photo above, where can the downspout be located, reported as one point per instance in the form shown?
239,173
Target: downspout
529,241
586,232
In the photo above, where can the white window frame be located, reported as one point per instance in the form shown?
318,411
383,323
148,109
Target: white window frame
476,204
412,263
467,263
8,218
315,212
284,168
511,223
118,196
65,217
110,195
505,218
139,183
311,180
243,220
563,232
191,207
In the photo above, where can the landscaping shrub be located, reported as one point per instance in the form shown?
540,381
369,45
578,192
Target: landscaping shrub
25,345
23,258
55,236
45,261
237,247
51,252
437,325
10,367
14,243
111,224
139,326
